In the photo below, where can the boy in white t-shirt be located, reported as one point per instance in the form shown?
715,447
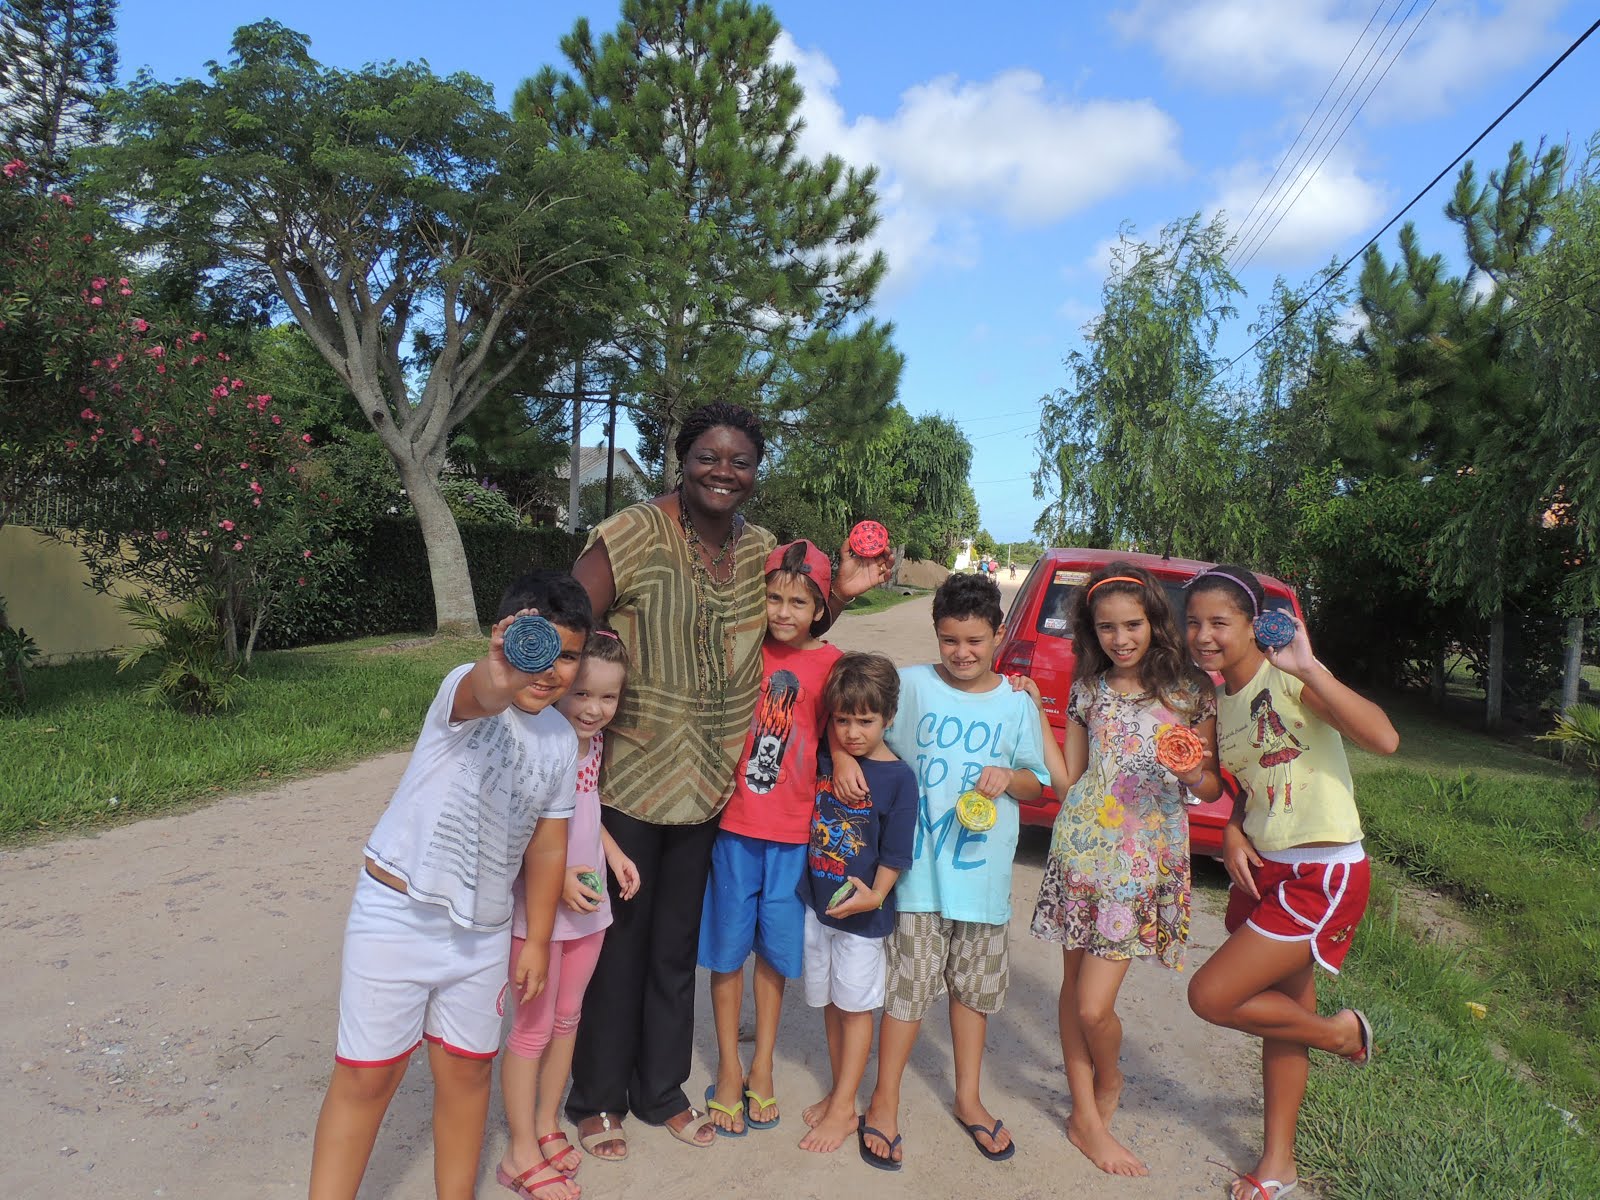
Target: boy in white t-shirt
488,791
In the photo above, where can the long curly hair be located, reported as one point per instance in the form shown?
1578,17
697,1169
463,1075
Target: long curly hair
1166,670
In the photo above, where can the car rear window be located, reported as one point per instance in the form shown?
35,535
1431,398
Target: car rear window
1055,610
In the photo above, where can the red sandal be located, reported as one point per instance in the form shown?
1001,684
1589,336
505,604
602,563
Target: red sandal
550,1159
520,1185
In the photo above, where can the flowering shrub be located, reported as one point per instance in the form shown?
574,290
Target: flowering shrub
189,481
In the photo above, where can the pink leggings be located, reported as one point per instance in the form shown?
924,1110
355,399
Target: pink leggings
553,1012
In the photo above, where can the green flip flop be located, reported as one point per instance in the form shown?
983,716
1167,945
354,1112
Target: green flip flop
756,1104
736,1112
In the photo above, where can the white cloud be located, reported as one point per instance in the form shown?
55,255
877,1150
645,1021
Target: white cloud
1265,45
955,151
1333,205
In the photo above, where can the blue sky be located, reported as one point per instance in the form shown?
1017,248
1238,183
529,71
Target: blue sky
1015,137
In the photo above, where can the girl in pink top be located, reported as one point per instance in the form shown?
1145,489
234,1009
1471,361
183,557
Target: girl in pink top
534,1072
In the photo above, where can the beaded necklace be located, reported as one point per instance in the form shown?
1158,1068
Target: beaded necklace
711,665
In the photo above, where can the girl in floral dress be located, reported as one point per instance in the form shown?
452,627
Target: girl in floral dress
1116,885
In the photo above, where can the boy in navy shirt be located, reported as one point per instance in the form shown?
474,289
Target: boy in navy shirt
847,918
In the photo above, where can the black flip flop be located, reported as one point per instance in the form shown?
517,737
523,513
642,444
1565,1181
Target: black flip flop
887,1162
994,1135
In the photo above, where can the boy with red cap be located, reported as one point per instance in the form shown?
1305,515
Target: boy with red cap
752,897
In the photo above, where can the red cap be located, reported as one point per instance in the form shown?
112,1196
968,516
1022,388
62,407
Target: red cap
816,565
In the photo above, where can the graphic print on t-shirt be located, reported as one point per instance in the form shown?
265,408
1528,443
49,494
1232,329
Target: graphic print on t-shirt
1278,749
836,832
774,721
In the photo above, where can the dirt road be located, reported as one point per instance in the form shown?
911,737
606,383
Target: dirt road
170,1012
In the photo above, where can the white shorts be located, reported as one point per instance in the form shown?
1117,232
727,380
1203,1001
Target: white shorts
845,970
409,973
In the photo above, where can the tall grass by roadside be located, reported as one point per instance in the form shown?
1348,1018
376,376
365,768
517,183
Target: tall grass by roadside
88,750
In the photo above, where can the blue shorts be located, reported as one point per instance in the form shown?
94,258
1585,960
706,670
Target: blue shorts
753,903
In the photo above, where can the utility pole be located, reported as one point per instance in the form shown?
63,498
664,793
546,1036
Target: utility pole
611,445
577,446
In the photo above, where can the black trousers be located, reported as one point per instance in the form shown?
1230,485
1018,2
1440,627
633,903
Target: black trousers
637,1033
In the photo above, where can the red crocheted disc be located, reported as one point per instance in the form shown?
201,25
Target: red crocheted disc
868,539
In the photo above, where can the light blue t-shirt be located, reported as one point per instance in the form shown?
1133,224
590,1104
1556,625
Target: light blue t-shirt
948,737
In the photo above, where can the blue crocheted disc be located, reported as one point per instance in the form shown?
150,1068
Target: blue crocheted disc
1274,629
532,644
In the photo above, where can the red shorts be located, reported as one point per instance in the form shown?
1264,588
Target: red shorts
1320,903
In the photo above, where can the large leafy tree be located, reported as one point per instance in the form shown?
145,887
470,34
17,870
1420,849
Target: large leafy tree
758,286
57,58
1134,451
425,244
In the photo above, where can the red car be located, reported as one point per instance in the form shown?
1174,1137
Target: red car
1038,643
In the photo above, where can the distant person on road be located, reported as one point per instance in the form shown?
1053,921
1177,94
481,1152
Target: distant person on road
1292,848
968,732
1116,883
488,793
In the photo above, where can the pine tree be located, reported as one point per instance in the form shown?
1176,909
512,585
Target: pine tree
758,289
57,58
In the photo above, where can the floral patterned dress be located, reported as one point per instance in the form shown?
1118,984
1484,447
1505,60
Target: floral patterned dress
1117,880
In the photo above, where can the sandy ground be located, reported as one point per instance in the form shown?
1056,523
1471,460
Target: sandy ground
170,1007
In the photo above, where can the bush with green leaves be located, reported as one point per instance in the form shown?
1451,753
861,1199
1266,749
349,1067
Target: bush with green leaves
194,672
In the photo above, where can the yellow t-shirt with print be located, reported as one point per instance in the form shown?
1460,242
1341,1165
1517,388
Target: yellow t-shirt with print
1290,762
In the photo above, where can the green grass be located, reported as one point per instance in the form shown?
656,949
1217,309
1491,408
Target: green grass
877,599
88,752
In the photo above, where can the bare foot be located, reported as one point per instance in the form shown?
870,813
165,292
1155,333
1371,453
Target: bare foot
547,1181
731,1095
1274,1182
982,1116
1096,1144
611,1148
761,1084
829,1133
887,1122
814,1113
1107,1094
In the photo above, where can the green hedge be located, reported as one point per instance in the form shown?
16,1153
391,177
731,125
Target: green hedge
386,587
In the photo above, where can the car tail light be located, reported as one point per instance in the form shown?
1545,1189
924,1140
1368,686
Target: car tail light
1016,659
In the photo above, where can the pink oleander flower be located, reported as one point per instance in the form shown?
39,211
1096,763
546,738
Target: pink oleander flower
305,554
255,486
66,198
140,325
225,525
14,168
138,435
156,351
306,438
219,392
98,283
197,336
161,535
96,302
197,445
276,419
256,502
88,415
301,581
71,445
244,466
238,545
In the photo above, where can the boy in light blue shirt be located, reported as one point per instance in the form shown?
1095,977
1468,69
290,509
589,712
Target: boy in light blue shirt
961,728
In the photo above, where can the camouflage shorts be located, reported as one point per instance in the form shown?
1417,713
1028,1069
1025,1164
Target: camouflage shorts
929,954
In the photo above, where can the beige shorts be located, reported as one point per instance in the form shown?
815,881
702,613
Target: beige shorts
930,954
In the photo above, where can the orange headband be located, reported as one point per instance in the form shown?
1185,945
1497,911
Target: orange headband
1115,579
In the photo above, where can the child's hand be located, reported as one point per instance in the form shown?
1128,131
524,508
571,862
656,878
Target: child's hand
1022,683
1296,658
533,964
863,899
1193,779
576,896
849,781
994,782
859,575
624,872
1239,856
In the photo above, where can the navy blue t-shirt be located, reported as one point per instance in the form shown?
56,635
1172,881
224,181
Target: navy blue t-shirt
848,840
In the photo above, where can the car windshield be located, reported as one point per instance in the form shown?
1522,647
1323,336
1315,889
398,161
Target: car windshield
1055,611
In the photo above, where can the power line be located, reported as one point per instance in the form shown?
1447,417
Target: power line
1245,221
1410,204
1267,236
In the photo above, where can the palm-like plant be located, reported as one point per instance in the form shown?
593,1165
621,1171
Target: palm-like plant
195,675
1577,731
